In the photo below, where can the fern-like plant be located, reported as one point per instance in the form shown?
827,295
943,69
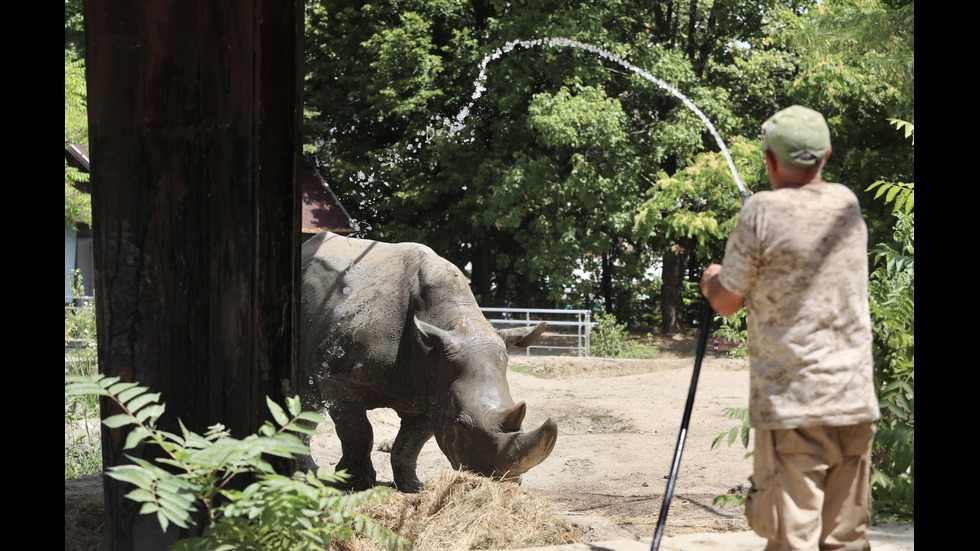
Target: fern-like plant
301,512
741,433
891,290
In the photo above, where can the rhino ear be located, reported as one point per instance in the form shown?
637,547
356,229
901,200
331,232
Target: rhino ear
522,336
435,337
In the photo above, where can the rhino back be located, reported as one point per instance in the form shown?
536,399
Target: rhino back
358,305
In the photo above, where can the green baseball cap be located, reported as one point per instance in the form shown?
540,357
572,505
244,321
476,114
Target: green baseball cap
797,135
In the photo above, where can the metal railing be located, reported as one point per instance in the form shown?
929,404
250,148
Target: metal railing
568,330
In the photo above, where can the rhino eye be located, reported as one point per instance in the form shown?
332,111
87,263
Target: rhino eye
465,420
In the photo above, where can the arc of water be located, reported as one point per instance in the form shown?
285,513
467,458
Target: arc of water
479,88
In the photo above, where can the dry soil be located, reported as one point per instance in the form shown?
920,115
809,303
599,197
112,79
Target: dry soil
618,426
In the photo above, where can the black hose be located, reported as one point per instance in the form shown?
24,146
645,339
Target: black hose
699,355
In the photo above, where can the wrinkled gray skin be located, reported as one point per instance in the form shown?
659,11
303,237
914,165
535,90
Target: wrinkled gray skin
396,326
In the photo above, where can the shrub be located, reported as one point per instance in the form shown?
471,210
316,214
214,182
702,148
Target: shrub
610,339
83,454
734,328
891,289
740,432
300,512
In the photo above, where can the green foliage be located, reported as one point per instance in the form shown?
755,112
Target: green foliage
734,329
688,213
83,454
856,64
274,512
74,29
902,194
587,118
701,201
899,194
891,289
863,47
610,339
539,191
740,433
78,206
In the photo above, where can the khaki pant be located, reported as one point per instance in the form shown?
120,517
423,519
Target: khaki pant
811,488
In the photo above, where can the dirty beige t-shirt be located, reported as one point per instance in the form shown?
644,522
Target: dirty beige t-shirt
799,257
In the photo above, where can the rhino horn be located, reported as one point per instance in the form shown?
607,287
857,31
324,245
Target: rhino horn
509,420
524,450
522,336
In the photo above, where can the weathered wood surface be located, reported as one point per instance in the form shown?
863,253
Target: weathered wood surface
195,114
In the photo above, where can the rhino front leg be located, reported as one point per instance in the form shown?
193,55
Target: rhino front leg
414,432
356,439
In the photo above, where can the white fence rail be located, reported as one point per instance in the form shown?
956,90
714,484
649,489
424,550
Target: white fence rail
568,331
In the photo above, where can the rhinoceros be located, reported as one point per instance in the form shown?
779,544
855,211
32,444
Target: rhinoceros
396,326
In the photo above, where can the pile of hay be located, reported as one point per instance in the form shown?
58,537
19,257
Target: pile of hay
460,510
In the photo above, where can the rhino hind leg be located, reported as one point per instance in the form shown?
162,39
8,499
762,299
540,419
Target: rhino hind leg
414,432
356,439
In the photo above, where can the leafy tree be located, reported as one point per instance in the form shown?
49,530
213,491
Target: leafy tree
74,30
694,209
77,205
856,66
892,295
539,190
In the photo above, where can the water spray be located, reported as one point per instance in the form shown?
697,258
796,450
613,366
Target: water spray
453,126
479,88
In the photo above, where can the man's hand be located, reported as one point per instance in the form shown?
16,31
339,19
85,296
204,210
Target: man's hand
721,299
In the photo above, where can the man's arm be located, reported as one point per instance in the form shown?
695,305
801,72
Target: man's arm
722,300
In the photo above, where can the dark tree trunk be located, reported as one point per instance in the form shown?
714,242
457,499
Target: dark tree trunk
606,284
481,274
671,292
195,125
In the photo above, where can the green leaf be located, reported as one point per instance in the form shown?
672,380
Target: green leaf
151,413
277,412
310,416
126,395
135,475
118,420
294,405
117,388
135,404
136,437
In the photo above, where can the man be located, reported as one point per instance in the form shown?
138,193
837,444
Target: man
798,261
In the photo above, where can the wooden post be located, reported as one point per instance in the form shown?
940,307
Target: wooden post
195,116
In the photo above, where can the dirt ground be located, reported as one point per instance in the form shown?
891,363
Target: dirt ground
618,424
